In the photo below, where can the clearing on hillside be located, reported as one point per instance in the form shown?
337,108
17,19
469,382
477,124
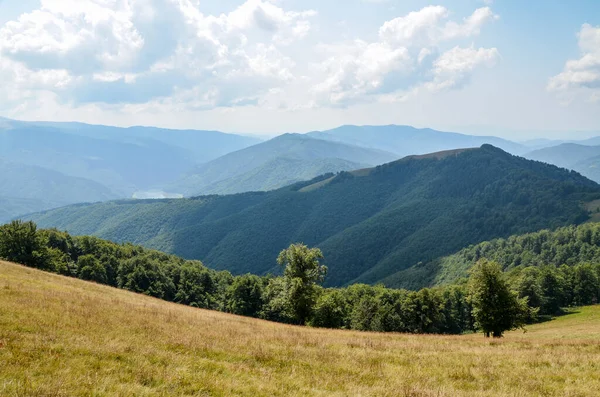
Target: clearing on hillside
65,337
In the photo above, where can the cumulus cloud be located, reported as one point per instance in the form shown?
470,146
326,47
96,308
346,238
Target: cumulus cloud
403,60
581,76
168,54
134,51
454,67
426,28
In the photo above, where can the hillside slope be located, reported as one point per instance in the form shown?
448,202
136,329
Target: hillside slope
276,163
570,245
123,159
61,336
279,172
564,155
405,140
29,188
370,223
581,158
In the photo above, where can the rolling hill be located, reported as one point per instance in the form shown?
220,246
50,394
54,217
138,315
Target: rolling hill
565,155
25,189
278,162
581,158
569,245
62,336
123,159
369,223
406,140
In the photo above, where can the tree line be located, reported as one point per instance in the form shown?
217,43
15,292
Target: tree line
490,300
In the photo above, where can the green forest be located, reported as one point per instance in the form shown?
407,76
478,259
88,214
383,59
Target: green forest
529,292
370,224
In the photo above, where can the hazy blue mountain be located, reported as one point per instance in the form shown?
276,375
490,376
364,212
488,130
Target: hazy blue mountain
11,207
275,163
279,172
370,223
541,143
203,145
405,140
25,189
594,141
565,155
124,159
581,158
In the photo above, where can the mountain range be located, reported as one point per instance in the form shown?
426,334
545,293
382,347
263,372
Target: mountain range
153,162
405,140
278,162
584,159
372,224
45,165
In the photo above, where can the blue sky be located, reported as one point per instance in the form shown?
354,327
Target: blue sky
511,68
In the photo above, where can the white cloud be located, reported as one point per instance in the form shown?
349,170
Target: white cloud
425,27
400,62
168,56
359,71
135,51
581,76
454,67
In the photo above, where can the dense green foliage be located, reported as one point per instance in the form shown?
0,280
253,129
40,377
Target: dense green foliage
369,224
296,297
496,308
275,163
302,274
571,245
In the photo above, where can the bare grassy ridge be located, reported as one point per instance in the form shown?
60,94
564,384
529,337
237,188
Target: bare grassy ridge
65,337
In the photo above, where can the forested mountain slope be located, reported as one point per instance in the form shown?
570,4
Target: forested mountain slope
570,245
276,163
279,172
405,140
370,223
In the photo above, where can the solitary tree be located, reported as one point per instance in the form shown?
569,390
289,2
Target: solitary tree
496,308
303,273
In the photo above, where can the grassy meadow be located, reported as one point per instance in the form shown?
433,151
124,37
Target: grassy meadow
65,337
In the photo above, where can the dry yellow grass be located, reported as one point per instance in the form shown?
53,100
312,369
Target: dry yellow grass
65,337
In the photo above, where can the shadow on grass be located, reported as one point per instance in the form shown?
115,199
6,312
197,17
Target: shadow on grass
564,312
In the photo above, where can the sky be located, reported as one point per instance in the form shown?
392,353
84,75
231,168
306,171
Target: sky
516,69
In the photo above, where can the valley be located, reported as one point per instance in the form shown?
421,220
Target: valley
370,224
299,198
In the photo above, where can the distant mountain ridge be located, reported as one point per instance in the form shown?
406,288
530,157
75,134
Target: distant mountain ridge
406,140
26,189
581,158
54,164
371,224
278,162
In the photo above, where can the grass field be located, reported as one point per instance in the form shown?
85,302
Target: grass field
65,337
